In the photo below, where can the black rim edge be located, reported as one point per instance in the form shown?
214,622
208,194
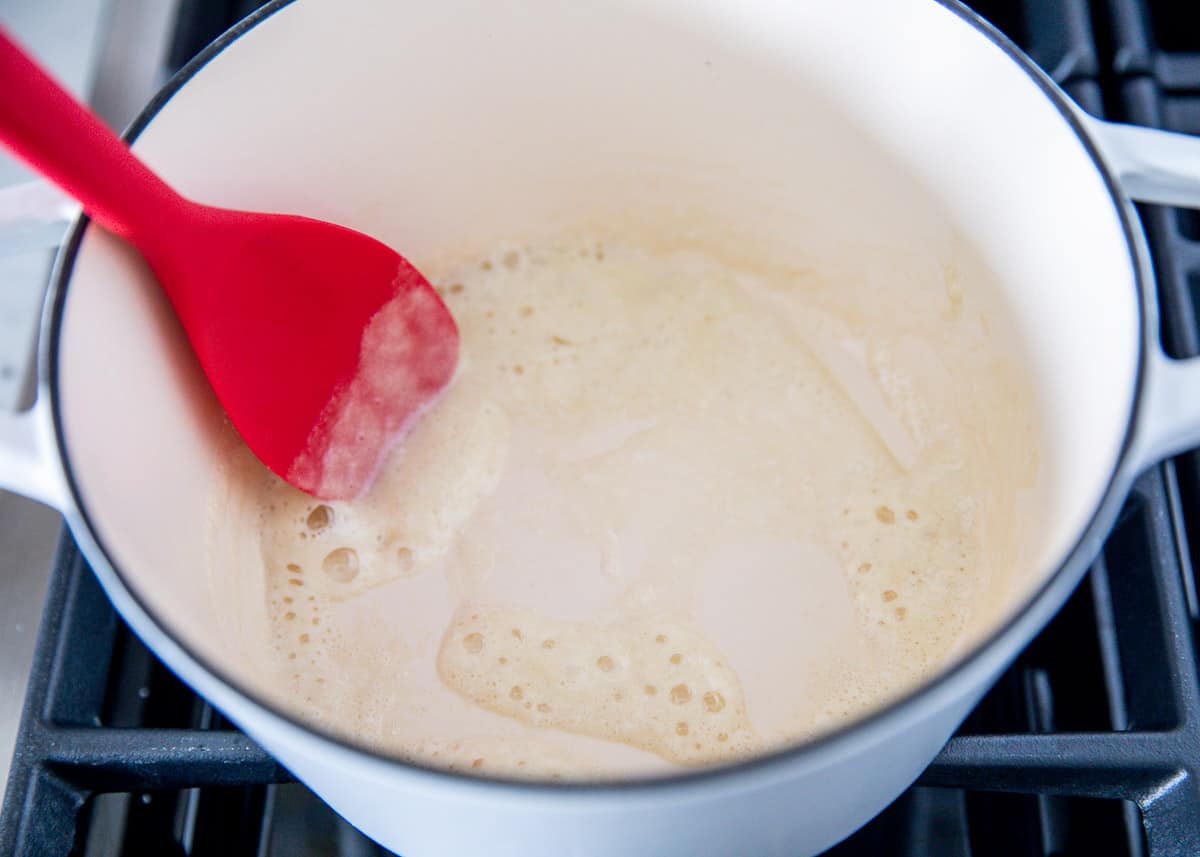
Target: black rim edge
1057,586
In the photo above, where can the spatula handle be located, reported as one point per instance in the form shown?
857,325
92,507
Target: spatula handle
62,139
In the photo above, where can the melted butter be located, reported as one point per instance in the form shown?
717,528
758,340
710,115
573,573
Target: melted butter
804,500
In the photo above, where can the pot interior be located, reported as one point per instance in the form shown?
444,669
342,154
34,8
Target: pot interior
762,128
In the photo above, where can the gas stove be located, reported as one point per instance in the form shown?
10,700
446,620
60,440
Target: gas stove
1088,745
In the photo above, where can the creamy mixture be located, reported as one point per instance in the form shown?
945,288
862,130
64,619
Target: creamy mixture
670,512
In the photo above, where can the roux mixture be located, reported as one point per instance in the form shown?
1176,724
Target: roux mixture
670,512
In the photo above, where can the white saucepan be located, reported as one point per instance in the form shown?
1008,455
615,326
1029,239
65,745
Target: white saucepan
803,121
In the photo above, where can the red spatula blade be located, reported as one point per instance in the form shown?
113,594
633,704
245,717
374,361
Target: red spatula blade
408,353
323,344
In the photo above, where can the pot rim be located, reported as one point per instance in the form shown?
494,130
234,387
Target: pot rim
1014,633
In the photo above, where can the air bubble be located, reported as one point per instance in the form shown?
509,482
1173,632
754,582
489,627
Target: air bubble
319,518
473,643
714,701
681,694
341,564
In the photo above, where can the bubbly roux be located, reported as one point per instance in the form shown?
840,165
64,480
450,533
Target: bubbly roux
671,512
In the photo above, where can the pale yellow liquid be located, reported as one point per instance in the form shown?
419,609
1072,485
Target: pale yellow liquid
671,512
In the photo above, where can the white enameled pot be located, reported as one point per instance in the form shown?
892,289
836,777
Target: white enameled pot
806,121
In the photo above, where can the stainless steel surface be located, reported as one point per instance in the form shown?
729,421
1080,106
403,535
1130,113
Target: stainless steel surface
110,52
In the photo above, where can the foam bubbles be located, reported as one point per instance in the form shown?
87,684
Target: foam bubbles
627,425
681,694
408,521
613,695
319,518
341,564
472,643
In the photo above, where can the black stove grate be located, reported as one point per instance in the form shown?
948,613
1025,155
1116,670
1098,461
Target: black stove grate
1088,745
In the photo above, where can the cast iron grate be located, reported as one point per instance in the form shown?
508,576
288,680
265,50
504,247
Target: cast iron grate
1156,37
1088,745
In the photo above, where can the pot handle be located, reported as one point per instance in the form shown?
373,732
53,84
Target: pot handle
1160,167
27,461
33,216
1163,168
1169,422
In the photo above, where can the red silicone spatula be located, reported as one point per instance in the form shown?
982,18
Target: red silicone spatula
322,344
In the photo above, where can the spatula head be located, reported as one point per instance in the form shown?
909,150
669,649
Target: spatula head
323,344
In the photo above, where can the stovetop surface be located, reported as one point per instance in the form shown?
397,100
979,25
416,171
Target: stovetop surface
1088,745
